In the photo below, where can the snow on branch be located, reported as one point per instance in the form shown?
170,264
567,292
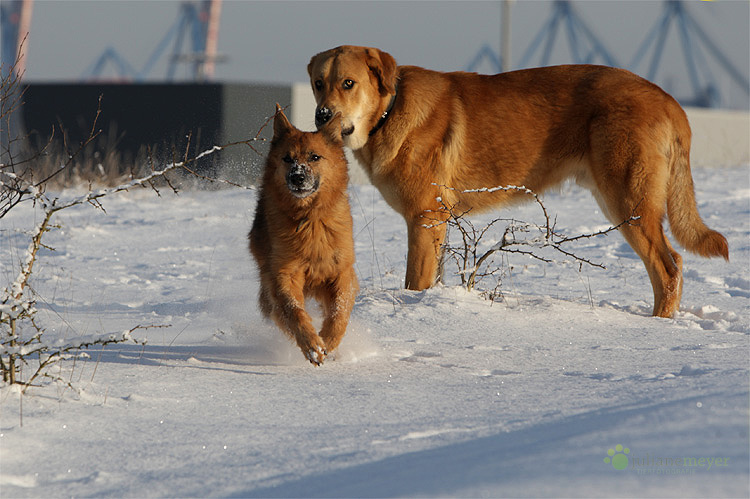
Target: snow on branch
21,338
519,237
16,307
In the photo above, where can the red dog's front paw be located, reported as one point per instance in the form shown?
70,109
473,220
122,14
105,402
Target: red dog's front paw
316,355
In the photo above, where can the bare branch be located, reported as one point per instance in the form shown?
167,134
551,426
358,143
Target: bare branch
22,338
519,237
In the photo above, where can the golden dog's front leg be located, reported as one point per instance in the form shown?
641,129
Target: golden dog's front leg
292,318
425,249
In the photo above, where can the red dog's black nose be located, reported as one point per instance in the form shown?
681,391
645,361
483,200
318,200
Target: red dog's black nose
296,176
322,116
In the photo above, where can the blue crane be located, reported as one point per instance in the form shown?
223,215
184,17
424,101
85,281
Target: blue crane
585,47
194,21
705,91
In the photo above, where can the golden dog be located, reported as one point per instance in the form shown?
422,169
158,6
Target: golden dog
302,235
419,132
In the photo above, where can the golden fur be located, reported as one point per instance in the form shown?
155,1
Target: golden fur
619,135
302,236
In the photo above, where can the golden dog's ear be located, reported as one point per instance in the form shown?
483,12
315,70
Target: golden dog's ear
383,66
281,125
310,65
332,130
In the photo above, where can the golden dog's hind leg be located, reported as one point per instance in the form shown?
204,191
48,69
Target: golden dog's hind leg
664,265
338,301
637,186
425,251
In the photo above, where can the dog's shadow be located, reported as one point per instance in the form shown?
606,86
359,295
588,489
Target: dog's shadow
240,349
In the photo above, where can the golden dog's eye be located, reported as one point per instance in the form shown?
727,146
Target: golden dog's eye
287,159
348,84
314,157
318,84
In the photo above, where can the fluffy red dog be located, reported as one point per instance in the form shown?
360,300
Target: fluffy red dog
302,235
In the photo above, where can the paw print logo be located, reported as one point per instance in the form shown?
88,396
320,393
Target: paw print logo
618,457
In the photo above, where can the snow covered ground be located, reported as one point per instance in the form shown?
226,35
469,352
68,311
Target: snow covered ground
435,393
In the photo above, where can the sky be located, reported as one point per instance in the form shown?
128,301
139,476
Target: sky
273,41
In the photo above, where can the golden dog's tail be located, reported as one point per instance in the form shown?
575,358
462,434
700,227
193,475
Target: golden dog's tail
687,225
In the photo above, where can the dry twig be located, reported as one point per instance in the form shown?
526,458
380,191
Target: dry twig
518,237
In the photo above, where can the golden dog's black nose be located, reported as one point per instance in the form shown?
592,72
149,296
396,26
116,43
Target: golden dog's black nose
322,116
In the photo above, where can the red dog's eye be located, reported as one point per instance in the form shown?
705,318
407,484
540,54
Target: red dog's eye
318,84
348,84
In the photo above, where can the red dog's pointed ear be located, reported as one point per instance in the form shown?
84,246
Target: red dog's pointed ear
281,124
383,66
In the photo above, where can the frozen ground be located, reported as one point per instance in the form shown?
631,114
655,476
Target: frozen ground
436,393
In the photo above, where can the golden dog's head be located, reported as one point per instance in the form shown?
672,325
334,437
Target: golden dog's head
306,164
357,82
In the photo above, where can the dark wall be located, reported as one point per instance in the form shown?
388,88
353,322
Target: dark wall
160,116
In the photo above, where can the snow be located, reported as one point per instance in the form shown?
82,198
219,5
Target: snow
433,393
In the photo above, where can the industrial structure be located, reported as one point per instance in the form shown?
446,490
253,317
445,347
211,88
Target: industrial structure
585,47
694,41
197,23
192,40
15,24
192,43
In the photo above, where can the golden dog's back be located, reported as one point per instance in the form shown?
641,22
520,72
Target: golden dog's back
490,120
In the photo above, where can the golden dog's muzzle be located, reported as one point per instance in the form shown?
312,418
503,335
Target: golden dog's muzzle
322,116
